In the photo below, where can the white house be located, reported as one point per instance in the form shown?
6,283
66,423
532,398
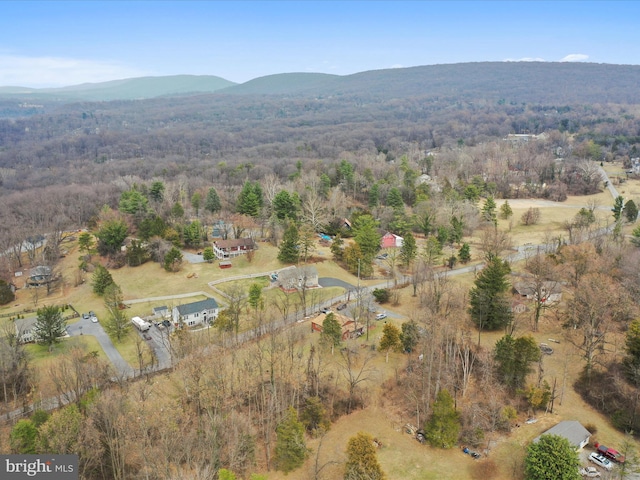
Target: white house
297,278
196,313
573,431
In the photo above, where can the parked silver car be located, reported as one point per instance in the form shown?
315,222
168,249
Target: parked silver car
600,460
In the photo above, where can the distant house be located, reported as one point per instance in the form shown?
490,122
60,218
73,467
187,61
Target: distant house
573,431
196,313
551,291
224,249
391,240
350,328
293,279
40,275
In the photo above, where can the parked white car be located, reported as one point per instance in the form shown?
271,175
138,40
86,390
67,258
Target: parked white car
590,472
601,461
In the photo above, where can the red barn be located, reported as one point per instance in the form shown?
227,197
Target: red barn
391,240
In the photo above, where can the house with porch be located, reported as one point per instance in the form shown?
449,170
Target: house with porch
225,249
350,328
197,313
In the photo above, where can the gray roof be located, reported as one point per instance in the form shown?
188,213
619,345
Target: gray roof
160,309
189,308
25,324
572,430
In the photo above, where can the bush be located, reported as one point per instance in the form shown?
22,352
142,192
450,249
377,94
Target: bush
382,295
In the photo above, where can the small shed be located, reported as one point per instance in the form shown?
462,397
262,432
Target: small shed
225,264
391,240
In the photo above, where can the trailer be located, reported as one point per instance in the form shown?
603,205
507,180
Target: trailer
140,324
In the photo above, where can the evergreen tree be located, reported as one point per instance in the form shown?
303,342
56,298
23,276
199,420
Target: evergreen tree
196,202
152,226
289,251
443,427
117,324
552,456
410,336
366,236
23,437
291,448
394,199
137,253
457,229
336,247
514,358
490,309
156,192
111,235
505,210
173,260
325,185
250,200
133,202
50,325
101,280
6,294
618,207
464,254
362,459
489,210
255,296
212,203
85,242
284,206
177,211
331,334
374,196
631,211
390,339
208,255
409,249
635,236
314,416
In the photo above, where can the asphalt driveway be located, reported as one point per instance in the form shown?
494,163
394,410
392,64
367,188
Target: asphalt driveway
86,327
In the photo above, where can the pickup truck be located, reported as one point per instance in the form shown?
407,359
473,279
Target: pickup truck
610,453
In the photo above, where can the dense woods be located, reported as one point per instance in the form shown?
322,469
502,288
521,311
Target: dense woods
167,172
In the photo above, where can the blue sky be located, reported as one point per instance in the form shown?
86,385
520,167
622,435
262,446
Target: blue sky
54,43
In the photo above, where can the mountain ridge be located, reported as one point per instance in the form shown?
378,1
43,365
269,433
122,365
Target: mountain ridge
532,82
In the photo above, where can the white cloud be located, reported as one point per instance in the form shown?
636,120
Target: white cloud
397,65
56,71
575,57
525,59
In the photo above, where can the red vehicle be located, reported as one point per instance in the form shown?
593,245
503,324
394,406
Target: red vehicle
610,453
